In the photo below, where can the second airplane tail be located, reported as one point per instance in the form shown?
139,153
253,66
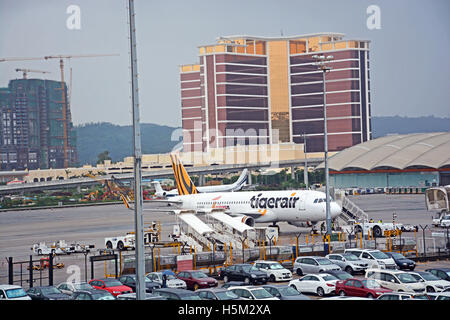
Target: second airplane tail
184,183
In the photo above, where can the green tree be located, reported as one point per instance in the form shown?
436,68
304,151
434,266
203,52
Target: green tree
101,157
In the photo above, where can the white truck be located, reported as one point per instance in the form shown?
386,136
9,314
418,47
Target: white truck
59,247
128,241
377,229
442,220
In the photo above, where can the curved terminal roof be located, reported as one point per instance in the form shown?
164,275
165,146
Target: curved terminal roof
409,151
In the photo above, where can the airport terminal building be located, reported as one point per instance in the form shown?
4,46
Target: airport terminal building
412,160
248,90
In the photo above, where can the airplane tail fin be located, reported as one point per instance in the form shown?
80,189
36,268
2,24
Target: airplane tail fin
240,181
184,183
157,186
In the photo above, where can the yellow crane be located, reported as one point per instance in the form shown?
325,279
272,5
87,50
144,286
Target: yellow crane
65,110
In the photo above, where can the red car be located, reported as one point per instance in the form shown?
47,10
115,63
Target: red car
360,288
196,280
114,286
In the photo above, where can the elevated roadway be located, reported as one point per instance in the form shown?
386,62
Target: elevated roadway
153,174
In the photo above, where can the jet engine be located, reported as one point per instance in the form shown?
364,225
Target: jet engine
245,219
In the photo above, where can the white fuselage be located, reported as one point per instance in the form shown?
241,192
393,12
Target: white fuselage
264,206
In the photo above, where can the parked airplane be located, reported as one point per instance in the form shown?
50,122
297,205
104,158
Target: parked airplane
302,208
236,186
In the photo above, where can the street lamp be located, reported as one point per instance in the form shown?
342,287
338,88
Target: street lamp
321,63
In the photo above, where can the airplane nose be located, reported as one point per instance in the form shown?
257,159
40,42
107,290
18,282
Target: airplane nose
335,209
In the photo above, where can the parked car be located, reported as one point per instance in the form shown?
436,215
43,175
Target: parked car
274,270
70,287
217,294
439,296
340,274
443,273
396,280
13,292
93,294
345,298
177,294
46,293
320,284
171,280
402,296
368,288
252,293
243,272
374,258
132,296
401,261
130,281
114,286
196,280
229,284
313,264
348,262
432,282
284,292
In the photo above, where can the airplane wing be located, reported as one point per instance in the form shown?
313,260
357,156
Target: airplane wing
254,213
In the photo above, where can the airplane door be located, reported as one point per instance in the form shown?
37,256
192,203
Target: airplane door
301,203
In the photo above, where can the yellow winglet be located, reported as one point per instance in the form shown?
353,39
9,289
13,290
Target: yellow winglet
184,183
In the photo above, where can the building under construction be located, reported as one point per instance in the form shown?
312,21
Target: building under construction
32,125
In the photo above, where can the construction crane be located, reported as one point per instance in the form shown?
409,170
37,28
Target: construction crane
64,100
25,71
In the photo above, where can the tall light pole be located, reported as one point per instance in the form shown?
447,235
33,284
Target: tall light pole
138,218
321,63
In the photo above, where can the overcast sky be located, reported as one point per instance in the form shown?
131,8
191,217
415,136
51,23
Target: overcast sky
410,68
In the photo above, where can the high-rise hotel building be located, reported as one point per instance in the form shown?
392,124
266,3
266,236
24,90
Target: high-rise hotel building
261,90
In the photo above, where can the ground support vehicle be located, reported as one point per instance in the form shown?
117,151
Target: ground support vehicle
442,221
58,247
44,263
375,229
120,242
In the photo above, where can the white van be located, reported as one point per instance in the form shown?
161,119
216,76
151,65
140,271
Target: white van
396,280
374,258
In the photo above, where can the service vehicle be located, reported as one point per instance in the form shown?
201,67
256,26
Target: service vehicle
13,292
59,247
377,229
442,221
374,258
127,241
274,270
396,280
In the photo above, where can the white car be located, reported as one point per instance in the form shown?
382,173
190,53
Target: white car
70,287
320,284
12,292
348,262
439,296
171,280
374,258
432,283
274,270
252,293
396,280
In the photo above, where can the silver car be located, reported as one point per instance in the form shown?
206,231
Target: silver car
171,280
313,264
348,262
